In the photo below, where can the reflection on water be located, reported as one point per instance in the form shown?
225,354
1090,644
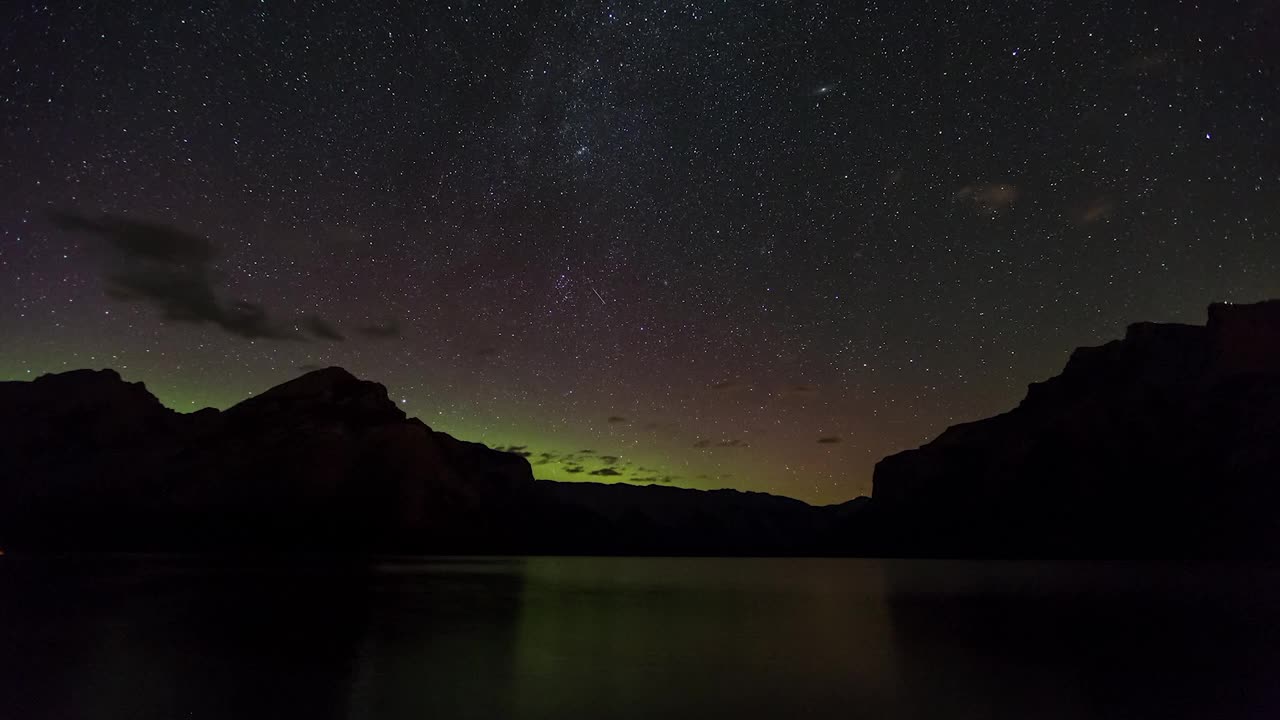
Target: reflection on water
174,637
696,637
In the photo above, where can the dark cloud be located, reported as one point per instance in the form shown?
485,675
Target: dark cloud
321,328
721,444
309,368
605,472
587,452
832,440
616,419
569,460
486,352
798,392
142,240
387,330
726,385
521,450
659,479
172,271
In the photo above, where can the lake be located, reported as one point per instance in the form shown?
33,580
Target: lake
546,637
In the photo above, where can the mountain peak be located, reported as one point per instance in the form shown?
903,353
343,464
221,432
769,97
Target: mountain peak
97,388
105,375
328,391
330,377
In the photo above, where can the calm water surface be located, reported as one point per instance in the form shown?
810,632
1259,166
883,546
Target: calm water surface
173,637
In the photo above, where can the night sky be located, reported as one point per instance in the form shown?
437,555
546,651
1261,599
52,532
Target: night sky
711,244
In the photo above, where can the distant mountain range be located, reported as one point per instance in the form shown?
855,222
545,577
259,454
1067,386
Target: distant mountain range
325,461
1163,444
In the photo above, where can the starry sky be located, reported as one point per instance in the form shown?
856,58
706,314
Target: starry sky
756,245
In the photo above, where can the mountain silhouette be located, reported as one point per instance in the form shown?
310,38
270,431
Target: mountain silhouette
324,461
1163,444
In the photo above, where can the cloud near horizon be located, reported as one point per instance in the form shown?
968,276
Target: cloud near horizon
656,479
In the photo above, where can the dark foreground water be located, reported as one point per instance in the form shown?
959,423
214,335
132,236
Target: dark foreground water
173,637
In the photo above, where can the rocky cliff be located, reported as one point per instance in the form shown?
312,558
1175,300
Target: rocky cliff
1165,443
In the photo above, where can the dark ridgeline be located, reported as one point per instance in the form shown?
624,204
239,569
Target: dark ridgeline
325,461
1165,443
595,518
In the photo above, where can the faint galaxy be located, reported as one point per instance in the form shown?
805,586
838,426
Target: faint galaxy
709,244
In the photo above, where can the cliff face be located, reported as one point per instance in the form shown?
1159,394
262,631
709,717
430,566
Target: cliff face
1165,443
